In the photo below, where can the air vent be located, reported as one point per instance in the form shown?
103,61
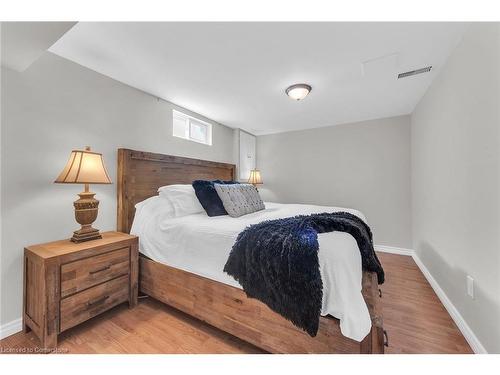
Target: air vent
415,72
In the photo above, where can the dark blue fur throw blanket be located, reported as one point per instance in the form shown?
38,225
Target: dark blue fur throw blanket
276,262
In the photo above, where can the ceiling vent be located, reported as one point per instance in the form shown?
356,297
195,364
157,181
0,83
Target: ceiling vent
415,72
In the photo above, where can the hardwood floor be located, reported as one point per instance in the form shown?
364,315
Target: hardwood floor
414,318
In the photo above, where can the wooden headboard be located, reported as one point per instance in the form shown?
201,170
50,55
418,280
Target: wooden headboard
140,174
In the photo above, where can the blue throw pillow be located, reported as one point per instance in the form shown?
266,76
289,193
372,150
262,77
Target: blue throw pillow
208,197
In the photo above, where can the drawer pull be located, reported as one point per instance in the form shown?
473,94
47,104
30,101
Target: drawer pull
380,293
386,339
100,270
97,301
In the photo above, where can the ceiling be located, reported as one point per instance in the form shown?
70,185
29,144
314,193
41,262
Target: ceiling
24,42
236,73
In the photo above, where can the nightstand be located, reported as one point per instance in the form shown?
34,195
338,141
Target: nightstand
67,283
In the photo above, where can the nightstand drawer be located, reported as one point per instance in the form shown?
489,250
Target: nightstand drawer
93,301
85,273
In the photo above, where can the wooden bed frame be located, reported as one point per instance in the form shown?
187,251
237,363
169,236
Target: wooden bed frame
223,306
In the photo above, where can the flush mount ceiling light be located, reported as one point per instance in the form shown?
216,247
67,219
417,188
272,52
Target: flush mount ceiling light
298,91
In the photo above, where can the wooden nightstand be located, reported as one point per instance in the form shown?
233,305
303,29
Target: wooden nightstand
66,283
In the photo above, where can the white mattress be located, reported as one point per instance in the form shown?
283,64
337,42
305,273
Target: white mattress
201,245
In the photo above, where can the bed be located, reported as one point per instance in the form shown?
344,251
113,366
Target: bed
210,297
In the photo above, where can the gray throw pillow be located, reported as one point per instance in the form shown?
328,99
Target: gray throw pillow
239,199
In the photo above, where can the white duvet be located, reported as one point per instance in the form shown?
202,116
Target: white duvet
201,245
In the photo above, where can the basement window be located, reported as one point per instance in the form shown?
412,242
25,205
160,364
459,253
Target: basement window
191,128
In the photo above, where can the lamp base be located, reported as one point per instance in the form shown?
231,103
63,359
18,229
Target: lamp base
85,214
86,234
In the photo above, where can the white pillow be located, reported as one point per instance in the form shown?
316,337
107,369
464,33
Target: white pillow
148,210
166,188
155,205
182,198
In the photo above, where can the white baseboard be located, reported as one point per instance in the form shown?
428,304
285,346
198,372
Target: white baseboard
394,250
10,328
469,335
462,325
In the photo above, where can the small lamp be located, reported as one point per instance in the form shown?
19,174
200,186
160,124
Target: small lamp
85,167
255,178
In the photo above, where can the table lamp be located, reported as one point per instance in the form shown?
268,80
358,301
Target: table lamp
85,167
255,178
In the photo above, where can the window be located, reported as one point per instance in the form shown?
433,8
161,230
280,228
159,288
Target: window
191,128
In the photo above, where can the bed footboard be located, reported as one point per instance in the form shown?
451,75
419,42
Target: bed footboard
230,310
374,342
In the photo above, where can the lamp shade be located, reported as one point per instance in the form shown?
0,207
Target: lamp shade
255,177
84,167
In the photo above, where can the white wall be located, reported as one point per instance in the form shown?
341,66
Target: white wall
363,165
48,110
455,180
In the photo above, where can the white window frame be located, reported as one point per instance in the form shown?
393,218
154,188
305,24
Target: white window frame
176,113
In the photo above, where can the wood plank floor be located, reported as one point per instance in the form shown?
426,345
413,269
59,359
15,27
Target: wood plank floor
414,318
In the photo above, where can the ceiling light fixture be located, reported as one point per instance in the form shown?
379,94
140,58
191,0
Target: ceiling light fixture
298,91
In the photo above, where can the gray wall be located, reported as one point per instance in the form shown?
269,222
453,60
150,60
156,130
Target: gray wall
455,180
48,110
363,165
451,181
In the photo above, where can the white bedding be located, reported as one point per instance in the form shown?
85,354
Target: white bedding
201,245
